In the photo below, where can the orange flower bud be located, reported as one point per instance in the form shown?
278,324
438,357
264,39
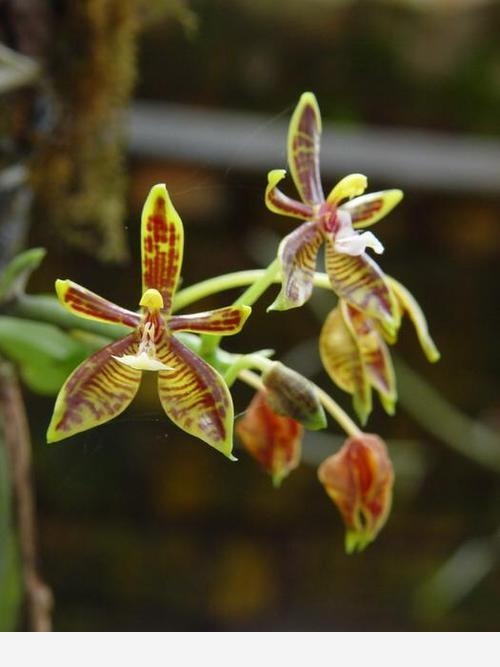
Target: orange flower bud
273,440
359,479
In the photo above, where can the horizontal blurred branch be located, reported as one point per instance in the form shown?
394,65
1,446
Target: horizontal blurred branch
466,568
230,139
430,409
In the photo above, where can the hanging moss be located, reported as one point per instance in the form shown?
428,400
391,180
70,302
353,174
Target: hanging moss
78,171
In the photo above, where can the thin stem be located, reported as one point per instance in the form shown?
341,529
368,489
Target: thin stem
340,416
193,293
198,291
248,298
17,440
252,379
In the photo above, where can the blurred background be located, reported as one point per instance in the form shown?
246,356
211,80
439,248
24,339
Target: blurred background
140,527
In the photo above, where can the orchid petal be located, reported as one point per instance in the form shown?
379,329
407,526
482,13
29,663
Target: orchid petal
195,396
410,305
370,208
342,361
279,203
348,187
361,282
86,304
222,322
375,356
297,254
303,149
97,391
162,243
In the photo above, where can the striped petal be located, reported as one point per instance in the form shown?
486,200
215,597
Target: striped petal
375,356
360,281
342,361
297,254
303,149
195,396
410,305
98,390
162,243
369,209
84,303
279,203
222,322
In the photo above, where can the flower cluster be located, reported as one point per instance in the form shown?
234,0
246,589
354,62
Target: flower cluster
353,342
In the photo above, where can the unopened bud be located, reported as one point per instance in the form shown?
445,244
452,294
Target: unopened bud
292,395
273,440
359,479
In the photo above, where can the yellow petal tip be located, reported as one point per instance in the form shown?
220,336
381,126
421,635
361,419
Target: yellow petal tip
274,177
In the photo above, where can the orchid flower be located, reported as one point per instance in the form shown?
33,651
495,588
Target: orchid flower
359,479
355,355
353,274
193,395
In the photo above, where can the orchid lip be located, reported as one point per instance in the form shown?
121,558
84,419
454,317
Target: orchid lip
143,362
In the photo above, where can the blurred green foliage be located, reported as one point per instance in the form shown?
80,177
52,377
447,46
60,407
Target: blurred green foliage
10,574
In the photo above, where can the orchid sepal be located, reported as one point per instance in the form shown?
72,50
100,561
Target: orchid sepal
303,142
162,245
195,396
98,390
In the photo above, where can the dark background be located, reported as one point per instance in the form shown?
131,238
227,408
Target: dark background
143,528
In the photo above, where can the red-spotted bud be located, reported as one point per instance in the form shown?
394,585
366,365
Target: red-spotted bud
290,394
273,440
359,479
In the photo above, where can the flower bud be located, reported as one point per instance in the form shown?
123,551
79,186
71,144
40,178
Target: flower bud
291,395
359,479
273,440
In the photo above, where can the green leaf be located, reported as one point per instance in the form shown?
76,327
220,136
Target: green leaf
45,354
16,274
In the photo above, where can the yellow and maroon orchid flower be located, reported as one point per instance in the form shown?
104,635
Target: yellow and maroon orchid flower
193,395
359,479
354,276
273,439
355,355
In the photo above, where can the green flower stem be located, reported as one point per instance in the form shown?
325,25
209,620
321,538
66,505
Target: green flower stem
248,298
241,363
251,379
189,295
335,411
